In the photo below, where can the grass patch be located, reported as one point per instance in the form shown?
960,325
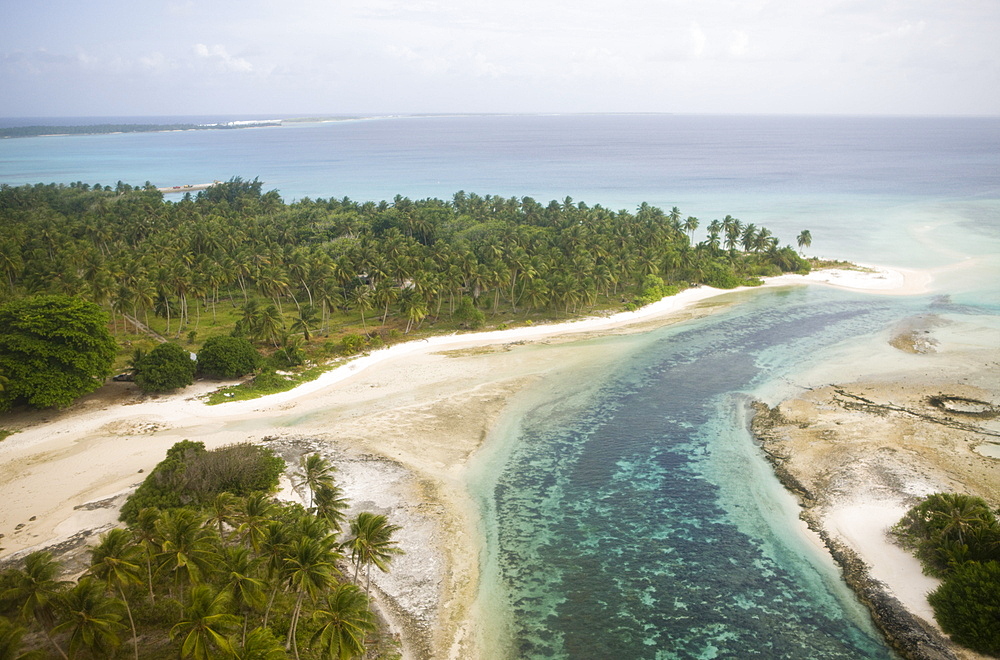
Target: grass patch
268,382
827,264
4,434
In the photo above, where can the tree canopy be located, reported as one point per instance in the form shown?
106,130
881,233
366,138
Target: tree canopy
227,357
53,349
166,367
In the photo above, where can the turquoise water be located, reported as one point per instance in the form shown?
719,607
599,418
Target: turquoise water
628,512
636,519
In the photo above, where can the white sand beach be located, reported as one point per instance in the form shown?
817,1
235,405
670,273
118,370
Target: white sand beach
402,425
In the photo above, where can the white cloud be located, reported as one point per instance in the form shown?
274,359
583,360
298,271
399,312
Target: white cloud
222,59
698,40
740,42
156,62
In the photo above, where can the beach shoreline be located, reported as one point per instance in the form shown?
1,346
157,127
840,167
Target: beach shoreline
426,406
858,454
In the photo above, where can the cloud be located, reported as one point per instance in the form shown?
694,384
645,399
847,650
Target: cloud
156,62
698,40
738,46
222,59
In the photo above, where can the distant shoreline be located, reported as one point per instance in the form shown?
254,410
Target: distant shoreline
110,129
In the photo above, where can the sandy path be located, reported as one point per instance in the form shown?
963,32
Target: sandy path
426,405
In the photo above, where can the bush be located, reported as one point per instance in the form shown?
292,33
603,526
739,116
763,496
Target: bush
946,530
721,276
468,314
166,367
967,606
227,357
190,475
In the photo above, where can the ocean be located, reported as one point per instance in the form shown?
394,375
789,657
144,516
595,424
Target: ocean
628,512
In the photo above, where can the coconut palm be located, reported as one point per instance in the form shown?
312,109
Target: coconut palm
315,472
956,514
206,624
371,543
91,618
246,592
804,239
260,644
222,510
35,591
186,548
331,505
343,621
309,569
115,562
10,643
254,516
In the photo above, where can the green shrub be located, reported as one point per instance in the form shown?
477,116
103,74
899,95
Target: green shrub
947,529
967,606
351,343
166,367
721,276
227,357
190,475
468,314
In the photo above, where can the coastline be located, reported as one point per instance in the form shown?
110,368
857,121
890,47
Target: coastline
859,453
419,411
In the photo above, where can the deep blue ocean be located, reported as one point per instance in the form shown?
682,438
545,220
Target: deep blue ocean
628,513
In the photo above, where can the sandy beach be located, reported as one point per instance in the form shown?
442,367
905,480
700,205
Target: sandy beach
403,423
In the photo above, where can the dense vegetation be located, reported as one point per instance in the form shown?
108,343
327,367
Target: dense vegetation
190,475
53,348
957,538
313,265
229,576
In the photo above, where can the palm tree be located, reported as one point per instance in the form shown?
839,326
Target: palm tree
245,591
115,561
372,543
331,505
274,543
307,316
260,644
145,533
91,619
315,471
957,514
222,510
254,517
804,239
689,226
35,591
310,569
205,625
10,643
361,299
343,620
186,549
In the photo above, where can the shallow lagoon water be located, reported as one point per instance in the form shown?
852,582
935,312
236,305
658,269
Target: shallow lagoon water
636,518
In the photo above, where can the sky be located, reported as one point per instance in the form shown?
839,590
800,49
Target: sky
294,58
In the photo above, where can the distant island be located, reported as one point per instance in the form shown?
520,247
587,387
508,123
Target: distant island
101,129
